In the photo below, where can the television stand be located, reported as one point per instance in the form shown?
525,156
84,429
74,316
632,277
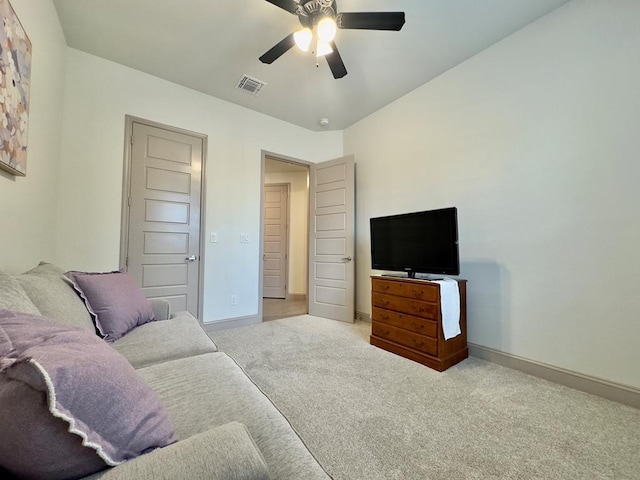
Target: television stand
406,319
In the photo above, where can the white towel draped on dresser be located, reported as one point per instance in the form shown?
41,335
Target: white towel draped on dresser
450,306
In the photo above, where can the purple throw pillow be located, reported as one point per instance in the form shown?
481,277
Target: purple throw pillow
115,302
71,404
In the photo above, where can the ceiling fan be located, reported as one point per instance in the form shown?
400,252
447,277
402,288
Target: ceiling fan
319,19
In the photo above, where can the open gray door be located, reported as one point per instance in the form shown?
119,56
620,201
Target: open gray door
331,239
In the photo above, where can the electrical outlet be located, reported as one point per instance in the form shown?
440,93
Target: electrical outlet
244,238
233,300
214,237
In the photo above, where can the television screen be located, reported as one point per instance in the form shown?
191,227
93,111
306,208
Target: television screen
420,242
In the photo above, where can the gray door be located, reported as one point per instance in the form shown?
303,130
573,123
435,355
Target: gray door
163,244
331,239
276,202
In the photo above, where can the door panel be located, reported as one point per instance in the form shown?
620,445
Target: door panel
168,181
331,240
276,204
164,275
168,212
163,247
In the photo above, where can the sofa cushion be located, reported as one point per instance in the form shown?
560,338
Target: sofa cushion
13,297
217,391
115,302
222,453
63,390
160,341
54,297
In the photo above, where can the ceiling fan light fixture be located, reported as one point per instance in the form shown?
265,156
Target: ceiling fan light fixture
326,29
323,49
303,39
320,19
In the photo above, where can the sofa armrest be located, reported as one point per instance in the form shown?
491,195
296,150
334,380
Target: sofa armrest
224,453
161,308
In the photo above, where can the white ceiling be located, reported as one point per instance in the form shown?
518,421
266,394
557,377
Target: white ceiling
207,45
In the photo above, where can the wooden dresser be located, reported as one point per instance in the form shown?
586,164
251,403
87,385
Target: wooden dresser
406,319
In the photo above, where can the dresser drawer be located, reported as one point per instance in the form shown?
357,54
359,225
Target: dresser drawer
429,292
405,305
408,322
405,337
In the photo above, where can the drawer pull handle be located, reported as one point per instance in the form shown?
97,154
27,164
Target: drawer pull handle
385,303
384,287
384,316
418,293
418,344
417,326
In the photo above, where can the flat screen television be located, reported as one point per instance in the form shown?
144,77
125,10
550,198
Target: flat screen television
420,242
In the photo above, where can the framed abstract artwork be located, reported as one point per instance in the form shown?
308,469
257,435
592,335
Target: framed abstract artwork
15,81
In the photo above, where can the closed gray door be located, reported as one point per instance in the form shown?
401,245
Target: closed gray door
276,201
163,248
331,239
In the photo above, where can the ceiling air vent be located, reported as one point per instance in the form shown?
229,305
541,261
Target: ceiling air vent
250,85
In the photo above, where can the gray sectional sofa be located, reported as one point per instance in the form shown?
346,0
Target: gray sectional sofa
226,427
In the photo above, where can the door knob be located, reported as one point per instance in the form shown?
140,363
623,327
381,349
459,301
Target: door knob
346,259
192,258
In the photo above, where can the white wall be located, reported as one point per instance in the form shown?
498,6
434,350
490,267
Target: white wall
298,227
535,140
98,95
28,204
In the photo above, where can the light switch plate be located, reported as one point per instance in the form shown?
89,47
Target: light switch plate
244,238
214,237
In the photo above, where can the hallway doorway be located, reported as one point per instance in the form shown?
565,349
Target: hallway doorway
294,302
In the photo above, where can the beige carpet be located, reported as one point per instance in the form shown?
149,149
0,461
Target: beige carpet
369,414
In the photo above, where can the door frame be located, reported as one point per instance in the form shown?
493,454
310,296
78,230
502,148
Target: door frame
284,158
126,187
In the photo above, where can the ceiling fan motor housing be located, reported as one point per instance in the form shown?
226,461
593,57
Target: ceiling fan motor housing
314,10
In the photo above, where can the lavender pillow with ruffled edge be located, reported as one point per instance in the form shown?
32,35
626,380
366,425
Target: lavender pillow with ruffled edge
115,302
71,404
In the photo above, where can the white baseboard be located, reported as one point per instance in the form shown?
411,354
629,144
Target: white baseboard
593,385
363,317
232,323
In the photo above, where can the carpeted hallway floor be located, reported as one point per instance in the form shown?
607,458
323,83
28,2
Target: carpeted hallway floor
368,414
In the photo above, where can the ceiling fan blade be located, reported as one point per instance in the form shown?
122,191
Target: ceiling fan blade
335,62
278,49
288,5
371,20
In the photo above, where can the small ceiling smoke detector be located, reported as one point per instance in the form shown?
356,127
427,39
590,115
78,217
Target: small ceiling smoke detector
250,85
324,122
